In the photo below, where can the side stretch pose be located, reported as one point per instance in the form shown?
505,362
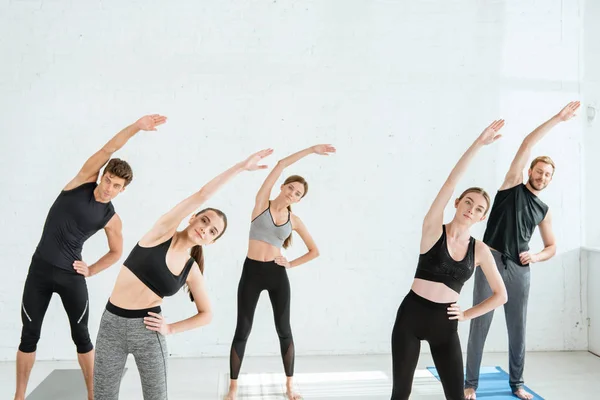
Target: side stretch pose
516,212
82,208
449,256
265,268
160,264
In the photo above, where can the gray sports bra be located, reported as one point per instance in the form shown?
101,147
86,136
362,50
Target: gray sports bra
263,228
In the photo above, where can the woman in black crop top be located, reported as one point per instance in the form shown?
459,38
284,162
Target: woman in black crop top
158,266
448,258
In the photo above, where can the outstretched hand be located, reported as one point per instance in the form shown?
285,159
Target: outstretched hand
323,149
569,111
150,122
252,162
490,134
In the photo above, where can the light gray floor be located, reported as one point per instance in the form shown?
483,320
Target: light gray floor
556,375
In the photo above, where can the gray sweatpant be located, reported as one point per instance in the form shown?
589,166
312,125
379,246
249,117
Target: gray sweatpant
118,337
517,280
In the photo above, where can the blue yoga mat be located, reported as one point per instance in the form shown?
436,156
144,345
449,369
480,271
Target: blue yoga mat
493,384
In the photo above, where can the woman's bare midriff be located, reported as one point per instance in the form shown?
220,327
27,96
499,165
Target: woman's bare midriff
132,294
434,291
262,251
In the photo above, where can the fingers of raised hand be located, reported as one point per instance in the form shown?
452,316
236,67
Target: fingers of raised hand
574,105
264,153
497,125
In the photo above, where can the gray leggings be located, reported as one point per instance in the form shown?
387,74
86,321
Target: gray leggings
517,281
123,332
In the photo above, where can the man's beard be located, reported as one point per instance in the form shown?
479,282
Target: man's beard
533,184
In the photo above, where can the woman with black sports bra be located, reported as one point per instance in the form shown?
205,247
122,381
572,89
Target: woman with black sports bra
158,266
265,268
449,256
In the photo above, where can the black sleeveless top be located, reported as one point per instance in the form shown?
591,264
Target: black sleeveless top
73,218
513,218
438,266
149,264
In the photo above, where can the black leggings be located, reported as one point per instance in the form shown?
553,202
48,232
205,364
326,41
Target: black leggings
44,279
256,277
420,319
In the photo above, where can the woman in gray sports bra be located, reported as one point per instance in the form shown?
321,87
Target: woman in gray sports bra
265,268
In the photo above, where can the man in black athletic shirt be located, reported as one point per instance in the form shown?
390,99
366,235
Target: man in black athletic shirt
81,209
516,212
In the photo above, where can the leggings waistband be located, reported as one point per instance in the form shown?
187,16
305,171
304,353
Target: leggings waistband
427,303
121,312
260,263
262,266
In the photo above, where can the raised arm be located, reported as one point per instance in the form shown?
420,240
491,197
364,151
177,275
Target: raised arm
432,223
262,197
499,296
514,176
168,223
91,168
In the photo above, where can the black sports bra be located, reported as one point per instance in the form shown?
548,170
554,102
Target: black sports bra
437,265
150,266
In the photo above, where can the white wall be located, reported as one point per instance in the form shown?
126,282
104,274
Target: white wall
590,260
591,95
401,88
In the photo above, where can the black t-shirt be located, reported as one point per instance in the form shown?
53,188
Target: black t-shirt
513,218
73,218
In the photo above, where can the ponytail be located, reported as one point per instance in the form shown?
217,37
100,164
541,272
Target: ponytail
198,255
288,242
197,252
294,178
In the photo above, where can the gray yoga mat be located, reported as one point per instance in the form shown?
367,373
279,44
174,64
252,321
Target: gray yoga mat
63,384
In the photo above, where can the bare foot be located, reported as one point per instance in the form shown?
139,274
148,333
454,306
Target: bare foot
523,395
470,394
232,394
291,395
